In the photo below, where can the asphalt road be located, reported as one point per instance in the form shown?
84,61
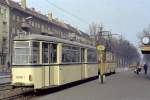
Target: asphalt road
121,86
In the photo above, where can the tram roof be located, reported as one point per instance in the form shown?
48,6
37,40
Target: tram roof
50,39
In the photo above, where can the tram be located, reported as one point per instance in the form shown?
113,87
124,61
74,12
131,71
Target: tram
111,63
41,61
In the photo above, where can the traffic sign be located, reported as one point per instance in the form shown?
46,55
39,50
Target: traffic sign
100,47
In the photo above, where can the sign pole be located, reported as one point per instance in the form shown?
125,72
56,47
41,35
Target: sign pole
101,53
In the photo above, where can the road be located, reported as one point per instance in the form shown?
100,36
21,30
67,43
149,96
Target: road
122,86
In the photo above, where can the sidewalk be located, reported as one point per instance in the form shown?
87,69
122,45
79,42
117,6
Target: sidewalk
4,77
122,86
4,73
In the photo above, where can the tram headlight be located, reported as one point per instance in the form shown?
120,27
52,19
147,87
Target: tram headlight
145,40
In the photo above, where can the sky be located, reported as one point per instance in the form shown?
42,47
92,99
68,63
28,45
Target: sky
126,17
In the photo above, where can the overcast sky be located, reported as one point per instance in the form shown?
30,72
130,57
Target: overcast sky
127,17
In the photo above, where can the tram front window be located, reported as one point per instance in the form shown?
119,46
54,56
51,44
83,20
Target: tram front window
21,53
25,53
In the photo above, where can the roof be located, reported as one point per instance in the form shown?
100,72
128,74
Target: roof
51,39
34,13
3,2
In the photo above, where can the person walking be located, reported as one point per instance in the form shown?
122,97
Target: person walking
138,68
145,68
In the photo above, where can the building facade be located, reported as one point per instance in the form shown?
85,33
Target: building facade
4,31
18,19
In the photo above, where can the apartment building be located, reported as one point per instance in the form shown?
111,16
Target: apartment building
19,19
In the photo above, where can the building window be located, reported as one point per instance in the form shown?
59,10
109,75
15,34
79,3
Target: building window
14,17
4,13
18,18
18,31
42,26
39,26
14,30
36,25
0,10
32,23
23,20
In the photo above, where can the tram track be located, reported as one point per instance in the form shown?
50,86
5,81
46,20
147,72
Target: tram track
16,93
5,83
7,92
5,86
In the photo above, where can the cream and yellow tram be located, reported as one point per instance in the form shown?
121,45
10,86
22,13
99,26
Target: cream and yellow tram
44,61
110,62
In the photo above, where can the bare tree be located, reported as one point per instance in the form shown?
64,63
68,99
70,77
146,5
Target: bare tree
123,50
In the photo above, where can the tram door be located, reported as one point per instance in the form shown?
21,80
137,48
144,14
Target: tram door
45,61
83,63
49,55
52,60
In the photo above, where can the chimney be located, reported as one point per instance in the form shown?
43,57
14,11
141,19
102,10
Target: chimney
23,4
50,16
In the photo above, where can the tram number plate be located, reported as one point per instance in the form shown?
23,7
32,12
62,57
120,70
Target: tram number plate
20,77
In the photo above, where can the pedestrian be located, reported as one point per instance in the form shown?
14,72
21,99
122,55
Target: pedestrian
8,65
138,68
145,68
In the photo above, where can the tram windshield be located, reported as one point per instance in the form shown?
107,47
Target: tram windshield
21,52
26,52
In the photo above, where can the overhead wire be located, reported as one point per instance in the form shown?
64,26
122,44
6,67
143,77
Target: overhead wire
67,12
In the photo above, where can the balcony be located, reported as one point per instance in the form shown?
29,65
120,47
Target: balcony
25,26
46,32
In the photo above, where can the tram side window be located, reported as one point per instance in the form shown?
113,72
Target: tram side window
45,52
66,54
35,53
53,53
75,54
92,56
70,54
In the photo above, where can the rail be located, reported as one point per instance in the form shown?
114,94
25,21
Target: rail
13,94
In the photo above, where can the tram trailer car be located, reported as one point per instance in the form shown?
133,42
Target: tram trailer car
111,63
43,61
